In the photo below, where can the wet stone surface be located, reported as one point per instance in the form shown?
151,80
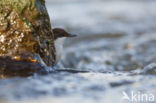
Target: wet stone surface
25,37
114,53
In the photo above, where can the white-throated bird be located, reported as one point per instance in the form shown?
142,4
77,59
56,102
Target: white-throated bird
59,36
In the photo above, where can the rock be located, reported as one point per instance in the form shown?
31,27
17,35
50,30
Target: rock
149,69
25,33
11,68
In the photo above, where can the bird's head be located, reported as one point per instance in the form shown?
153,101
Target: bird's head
60,33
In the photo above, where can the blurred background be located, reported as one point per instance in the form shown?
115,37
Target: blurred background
114,34
116,45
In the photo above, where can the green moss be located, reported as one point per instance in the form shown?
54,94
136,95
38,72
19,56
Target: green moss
20,5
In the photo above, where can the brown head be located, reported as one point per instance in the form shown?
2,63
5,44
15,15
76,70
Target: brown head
58,33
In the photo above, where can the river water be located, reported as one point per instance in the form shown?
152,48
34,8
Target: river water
114,55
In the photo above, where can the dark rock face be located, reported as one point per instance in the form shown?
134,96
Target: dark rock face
11,68
25,34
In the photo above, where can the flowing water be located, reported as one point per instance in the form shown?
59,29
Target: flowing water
114,55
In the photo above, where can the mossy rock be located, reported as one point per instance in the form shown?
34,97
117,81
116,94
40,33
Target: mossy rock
25,32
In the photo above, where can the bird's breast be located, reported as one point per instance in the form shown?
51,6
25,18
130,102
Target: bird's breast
59,48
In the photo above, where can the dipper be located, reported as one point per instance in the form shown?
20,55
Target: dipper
59,37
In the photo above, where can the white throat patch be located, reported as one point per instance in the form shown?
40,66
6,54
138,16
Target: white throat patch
59,48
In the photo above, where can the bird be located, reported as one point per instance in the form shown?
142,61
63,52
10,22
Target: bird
60,35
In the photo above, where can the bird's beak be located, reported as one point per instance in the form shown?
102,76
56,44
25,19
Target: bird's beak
72,35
